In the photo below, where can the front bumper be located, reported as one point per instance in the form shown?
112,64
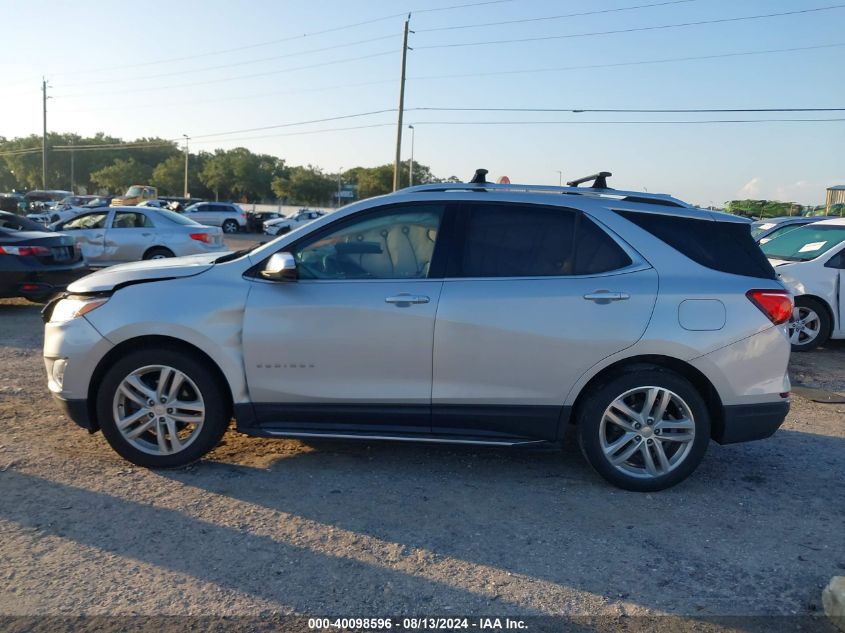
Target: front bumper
78,411
749,422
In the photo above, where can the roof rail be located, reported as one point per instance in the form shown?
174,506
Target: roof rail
636,197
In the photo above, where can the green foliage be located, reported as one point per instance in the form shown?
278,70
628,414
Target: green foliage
121,174
377,181
239,174
305,185
763,208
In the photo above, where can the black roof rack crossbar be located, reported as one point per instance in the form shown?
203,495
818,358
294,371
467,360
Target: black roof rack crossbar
599,180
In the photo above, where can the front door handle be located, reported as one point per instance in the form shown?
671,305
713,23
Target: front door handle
406,299
605,296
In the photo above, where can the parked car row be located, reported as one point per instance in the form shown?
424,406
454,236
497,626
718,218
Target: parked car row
282,224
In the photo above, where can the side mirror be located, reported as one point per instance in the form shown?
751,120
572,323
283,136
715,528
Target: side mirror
280,267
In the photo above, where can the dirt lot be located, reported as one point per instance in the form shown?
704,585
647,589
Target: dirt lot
273,527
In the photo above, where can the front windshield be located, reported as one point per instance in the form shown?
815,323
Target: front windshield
805,243
760,227
134,191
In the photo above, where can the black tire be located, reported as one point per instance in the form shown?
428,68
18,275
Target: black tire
217,409
158,252
230,226
591,412
803,304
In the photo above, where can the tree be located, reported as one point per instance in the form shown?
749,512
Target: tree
121,174
240,174
305,185
377,181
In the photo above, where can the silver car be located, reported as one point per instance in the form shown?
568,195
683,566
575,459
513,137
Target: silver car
126,234
464,313
228,216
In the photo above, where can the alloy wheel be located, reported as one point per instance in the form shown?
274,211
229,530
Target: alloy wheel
158,409
804,326
647,432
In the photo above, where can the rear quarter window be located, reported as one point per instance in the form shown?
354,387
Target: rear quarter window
724,246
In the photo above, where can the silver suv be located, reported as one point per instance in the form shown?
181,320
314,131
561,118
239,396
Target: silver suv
457,313
227,215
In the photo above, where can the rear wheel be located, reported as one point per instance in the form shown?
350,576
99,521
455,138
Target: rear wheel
158,252
644,430
809,325
161,408
230,226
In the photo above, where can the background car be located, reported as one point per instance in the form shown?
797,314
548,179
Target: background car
255,220
155,204
287,224
13,203
228,216
810,260
126,234
38,200
764,230
135,195
35,263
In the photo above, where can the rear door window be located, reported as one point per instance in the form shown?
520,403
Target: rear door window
724,246
511,240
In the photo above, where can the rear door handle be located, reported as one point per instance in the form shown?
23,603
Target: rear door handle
406,299
605,296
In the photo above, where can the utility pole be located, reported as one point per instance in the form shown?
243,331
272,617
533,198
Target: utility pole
396,163
72,190
44,136
411,164
187,138
339,185
559,178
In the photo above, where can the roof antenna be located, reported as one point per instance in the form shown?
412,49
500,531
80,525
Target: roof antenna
599,180
480,177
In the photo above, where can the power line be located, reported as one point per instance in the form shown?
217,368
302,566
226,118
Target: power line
518,71
283,39
282,125
623,64
632,29
652,122
629,110
241,63
478,25
228,79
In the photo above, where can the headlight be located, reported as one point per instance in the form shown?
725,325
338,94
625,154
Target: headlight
73,307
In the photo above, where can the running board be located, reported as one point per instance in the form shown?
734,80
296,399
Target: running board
431,439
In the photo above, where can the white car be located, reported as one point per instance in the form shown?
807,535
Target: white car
810,260
280,226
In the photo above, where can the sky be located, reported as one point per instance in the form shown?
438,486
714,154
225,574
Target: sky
207,68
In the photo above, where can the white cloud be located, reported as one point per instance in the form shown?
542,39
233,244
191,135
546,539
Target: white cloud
751,189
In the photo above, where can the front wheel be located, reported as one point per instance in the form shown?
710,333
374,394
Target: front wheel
644,430
159,252
809,325
230,226
161,408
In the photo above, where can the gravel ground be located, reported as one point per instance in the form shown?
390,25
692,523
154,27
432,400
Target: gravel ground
266,527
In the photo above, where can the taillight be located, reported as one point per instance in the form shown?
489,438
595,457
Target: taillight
775,304
24,251
201,237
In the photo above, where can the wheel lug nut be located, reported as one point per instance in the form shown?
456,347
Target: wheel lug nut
657,431
638,426
161,419
170,410
151,414
650,442
151,403
639,439
163,400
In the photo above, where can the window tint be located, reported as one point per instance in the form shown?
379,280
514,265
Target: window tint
396,244
87,221
779,231
724,246
131,220
517,241
595,251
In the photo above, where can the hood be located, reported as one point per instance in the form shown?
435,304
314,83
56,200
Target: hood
113,277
